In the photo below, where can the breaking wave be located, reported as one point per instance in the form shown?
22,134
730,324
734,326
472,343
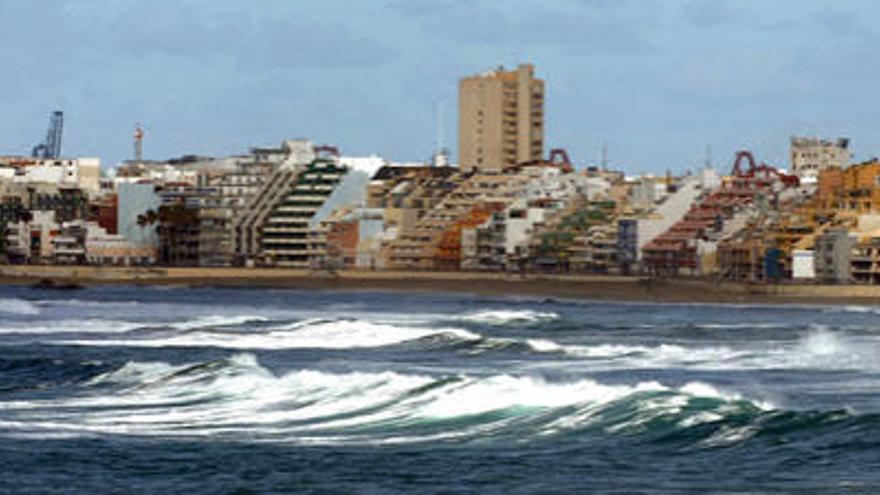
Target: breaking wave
217,321
237,396
86,326
509,316
311,333
817,348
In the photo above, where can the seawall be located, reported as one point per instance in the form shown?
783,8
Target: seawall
564,286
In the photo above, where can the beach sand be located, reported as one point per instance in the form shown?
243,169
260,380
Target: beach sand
494,284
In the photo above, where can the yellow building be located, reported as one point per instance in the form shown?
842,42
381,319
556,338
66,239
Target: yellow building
500,119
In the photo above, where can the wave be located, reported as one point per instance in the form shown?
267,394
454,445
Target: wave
79,303
217,321
853,309
238,396
18,307
28,373
314,333
818,348
509,316
85,326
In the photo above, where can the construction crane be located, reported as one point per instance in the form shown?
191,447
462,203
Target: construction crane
50,148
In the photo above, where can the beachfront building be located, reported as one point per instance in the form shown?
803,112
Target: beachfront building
502,241
81,173
833,256
473,200
765,247
285,231
275,226
572,238
135,201
500,119
29,239
348,238
405,194
689,246
103,248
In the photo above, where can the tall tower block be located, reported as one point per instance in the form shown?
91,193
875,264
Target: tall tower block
500,119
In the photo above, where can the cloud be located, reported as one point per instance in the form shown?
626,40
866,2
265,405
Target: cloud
587,27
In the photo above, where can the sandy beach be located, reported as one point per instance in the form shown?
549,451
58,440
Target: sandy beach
495,284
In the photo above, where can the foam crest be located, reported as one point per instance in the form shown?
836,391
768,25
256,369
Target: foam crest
306,334
822,342
343,334
639,355
217,321
824,349
509,316
18,307
98,326
854,309
237,395
506,392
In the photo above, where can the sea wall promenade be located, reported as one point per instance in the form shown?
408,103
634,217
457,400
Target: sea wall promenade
498,284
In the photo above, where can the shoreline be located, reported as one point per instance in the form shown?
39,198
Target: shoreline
590,287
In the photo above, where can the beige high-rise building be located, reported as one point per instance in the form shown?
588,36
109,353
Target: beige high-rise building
500,119
809,156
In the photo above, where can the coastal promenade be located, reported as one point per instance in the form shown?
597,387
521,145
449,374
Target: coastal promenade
496,284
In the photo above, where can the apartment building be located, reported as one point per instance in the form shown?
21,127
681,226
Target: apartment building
500,119
809,156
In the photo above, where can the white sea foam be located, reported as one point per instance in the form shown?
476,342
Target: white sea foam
70,326
820,348
217,321
545,345
239,396
509,316
312,333
853,309
641,355
18,307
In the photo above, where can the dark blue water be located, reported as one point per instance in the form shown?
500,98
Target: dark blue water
147,390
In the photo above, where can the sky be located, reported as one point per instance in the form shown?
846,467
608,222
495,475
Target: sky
656,81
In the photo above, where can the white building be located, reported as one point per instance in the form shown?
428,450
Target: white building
32,240
84,173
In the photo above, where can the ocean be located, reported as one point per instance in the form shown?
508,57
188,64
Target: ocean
201,390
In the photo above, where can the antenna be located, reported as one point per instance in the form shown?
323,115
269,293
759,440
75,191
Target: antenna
604,156
708,162
440,125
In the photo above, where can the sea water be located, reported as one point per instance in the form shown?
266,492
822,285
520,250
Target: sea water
157,390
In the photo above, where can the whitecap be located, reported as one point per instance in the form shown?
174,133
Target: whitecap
217,321
71,326
238,396
509,316
306,334
18,307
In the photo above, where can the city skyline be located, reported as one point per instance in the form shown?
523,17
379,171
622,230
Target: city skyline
655,81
